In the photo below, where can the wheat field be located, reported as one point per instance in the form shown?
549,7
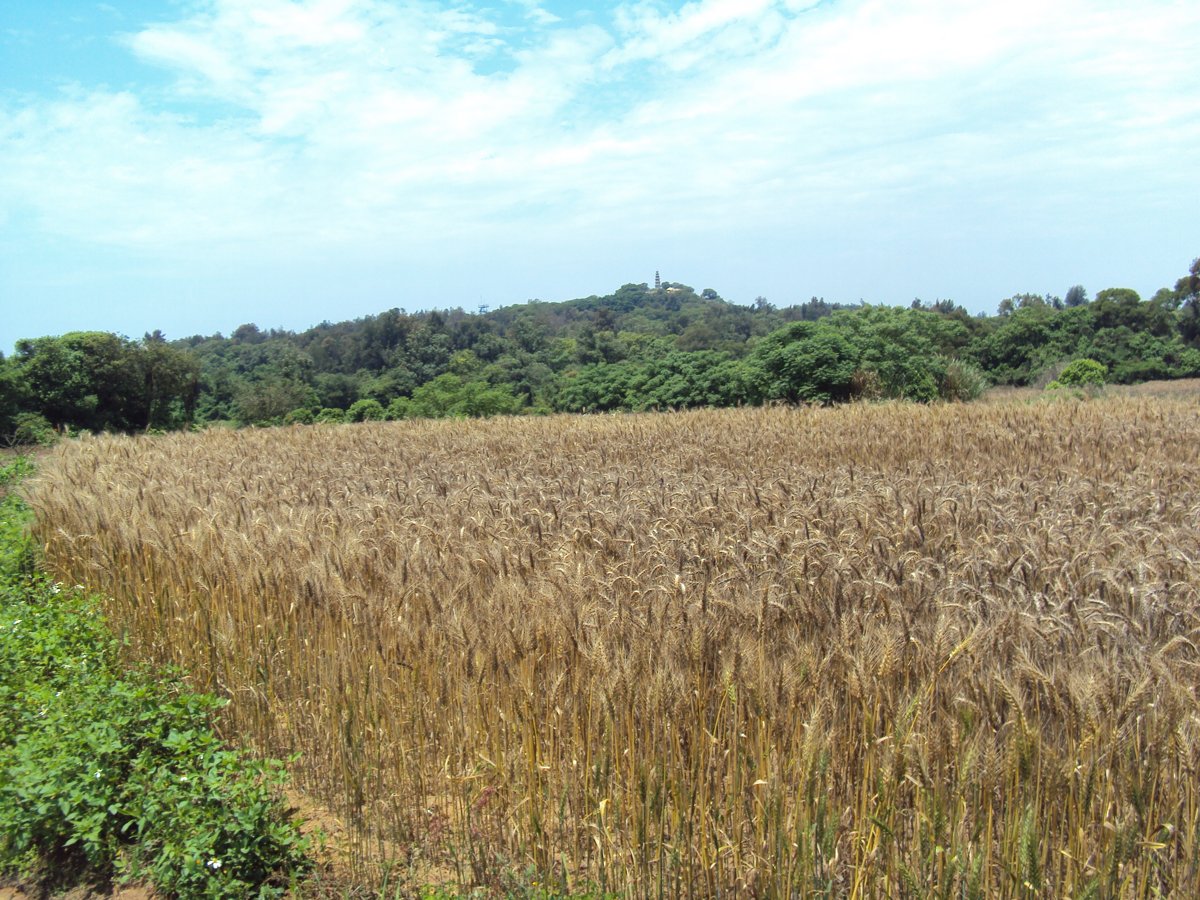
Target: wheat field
878,650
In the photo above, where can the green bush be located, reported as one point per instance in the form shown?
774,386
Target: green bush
33,428
365,411
806,362
451,395
399,408
330,415
1083,372
302,416
921,387
14,471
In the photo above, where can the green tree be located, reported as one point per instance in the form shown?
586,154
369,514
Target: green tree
806,361
598,388
171,382
84,379
1187,292
682,380
465,364
398,381
698,336
526,376
450,395
269,399
13,396
1029,340
906,349
337,389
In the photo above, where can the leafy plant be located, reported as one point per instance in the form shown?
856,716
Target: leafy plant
1082,372
330,415
32,428
365,411
301,416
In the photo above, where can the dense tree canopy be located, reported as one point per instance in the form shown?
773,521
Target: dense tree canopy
99,381
641,347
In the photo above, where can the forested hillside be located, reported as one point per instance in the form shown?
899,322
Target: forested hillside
639,348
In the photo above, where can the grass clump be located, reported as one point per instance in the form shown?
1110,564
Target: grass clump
108,774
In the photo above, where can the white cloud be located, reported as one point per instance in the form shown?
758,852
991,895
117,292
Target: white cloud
536,13
371,123
192,54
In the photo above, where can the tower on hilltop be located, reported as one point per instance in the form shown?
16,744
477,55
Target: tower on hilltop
657,281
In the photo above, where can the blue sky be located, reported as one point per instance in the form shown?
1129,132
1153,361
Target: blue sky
191,165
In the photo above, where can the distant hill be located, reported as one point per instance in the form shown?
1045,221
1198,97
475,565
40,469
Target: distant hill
640,347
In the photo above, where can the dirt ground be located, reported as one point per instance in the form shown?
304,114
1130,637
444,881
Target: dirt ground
129,893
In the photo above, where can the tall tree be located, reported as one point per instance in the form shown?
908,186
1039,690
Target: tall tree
12,395
1076,296
1187,289
85,379
171,382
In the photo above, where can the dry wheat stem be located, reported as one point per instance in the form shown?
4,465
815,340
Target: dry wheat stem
722,652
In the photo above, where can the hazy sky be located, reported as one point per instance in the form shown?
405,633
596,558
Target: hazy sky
191,165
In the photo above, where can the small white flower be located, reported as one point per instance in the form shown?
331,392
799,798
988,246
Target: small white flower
183,778
97,774
214,864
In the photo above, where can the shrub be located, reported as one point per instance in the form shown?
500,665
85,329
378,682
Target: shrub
399,408
300,416
33,428
114,774
1188,364
806,362
921,387
963,381
329,414
365,411
18,556
1083,372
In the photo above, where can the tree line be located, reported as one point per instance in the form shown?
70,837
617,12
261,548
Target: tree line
640,348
